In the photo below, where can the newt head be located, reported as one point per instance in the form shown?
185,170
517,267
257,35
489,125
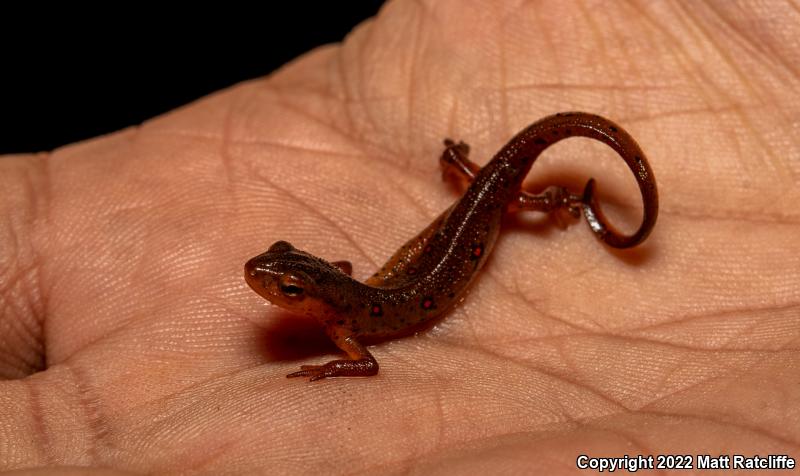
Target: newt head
292,279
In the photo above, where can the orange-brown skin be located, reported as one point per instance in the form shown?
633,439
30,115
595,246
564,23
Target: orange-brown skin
428,274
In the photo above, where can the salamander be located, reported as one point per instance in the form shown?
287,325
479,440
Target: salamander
430,273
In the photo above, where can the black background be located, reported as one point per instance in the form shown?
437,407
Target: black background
68,75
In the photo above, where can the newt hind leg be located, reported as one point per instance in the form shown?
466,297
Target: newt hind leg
456,166
460,171
360,364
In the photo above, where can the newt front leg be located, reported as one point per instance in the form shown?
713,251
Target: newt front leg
361,363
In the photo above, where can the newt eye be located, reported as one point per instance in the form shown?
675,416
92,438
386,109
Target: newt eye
292,285
291,290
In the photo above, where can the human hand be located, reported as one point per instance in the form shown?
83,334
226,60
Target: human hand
122,257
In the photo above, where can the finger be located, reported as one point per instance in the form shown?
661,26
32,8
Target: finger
23,208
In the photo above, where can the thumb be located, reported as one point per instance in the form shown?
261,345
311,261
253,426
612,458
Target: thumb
23,206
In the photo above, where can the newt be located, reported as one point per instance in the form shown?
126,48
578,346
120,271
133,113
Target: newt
430,273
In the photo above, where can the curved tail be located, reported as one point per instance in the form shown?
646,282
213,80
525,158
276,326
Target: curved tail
599,128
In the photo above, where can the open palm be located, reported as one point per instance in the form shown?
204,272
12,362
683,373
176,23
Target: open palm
121,258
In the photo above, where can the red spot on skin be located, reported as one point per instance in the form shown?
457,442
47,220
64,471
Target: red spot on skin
477,251
427,303
376,310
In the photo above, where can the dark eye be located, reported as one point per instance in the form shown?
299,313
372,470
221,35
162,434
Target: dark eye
291,290
292,284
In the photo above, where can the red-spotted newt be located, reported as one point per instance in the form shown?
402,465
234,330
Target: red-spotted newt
429,274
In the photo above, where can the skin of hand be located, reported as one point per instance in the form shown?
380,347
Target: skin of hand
121,257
